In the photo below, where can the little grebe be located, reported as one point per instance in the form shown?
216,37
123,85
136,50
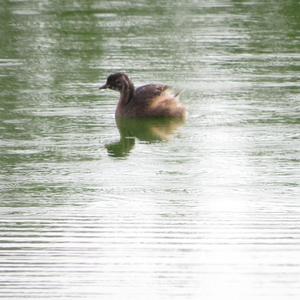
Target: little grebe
151,100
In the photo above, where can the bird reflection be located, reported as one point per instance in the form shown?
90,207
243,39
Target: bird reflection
148,130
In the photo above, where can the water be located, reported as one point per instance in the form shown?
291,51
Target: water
207,209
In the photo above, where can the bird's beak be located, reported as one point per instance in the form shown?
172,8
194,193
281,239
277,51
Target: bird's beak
103,87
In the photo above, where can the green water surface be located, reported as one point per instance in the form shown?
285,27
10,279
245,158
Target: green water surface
208,209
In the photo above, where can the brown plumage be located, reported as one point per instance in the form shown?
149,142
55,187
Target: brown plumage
151,100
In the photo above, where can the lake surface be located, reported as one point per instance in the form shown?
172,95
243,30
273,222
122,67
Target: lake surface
208,209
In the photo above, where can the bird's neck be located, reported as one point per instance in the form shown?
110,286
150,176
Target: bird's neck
126,92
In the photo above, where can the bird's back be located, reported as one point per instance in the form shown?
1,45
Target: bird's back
148,92
156,100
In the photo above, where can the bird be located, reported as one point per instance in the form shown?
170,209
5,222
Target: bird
147,101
